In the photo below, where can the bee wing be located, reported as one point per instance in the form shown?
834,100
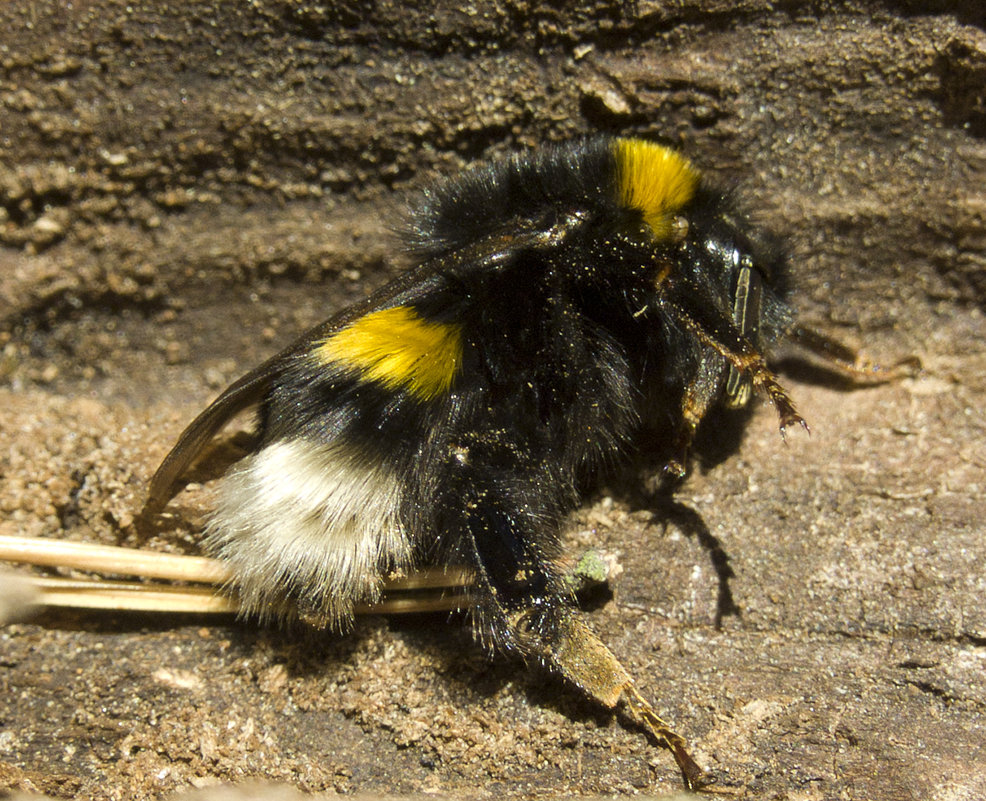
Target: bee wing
245,392
489,253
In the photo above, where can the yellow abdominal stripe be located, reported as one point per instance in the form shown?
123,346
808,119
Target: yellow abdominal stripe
654,179
397,348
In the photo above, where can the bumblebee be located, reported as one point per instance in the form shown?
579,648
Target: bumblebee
559,303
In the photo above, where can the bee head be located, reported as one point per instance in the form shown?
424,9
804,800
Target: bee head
740,270
716,275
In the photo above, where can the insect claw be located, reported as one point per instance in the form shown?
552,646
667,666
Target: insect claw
693,776
791,419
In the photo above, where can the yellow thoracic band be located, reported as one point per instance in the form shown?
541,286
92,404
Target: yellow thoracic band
654,179
397,348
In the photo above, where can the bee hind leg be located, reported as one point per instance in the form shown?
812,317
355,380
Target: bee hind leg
573,650
523,609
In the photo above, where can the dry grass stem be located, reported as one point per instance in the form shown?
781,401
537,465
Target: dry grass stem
428,590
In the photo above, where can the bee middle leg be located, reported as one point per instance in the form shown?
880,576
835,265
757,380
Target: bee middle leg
850,362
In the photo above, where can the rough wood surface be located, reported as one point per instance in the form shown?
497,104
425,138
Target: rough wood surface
185,186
